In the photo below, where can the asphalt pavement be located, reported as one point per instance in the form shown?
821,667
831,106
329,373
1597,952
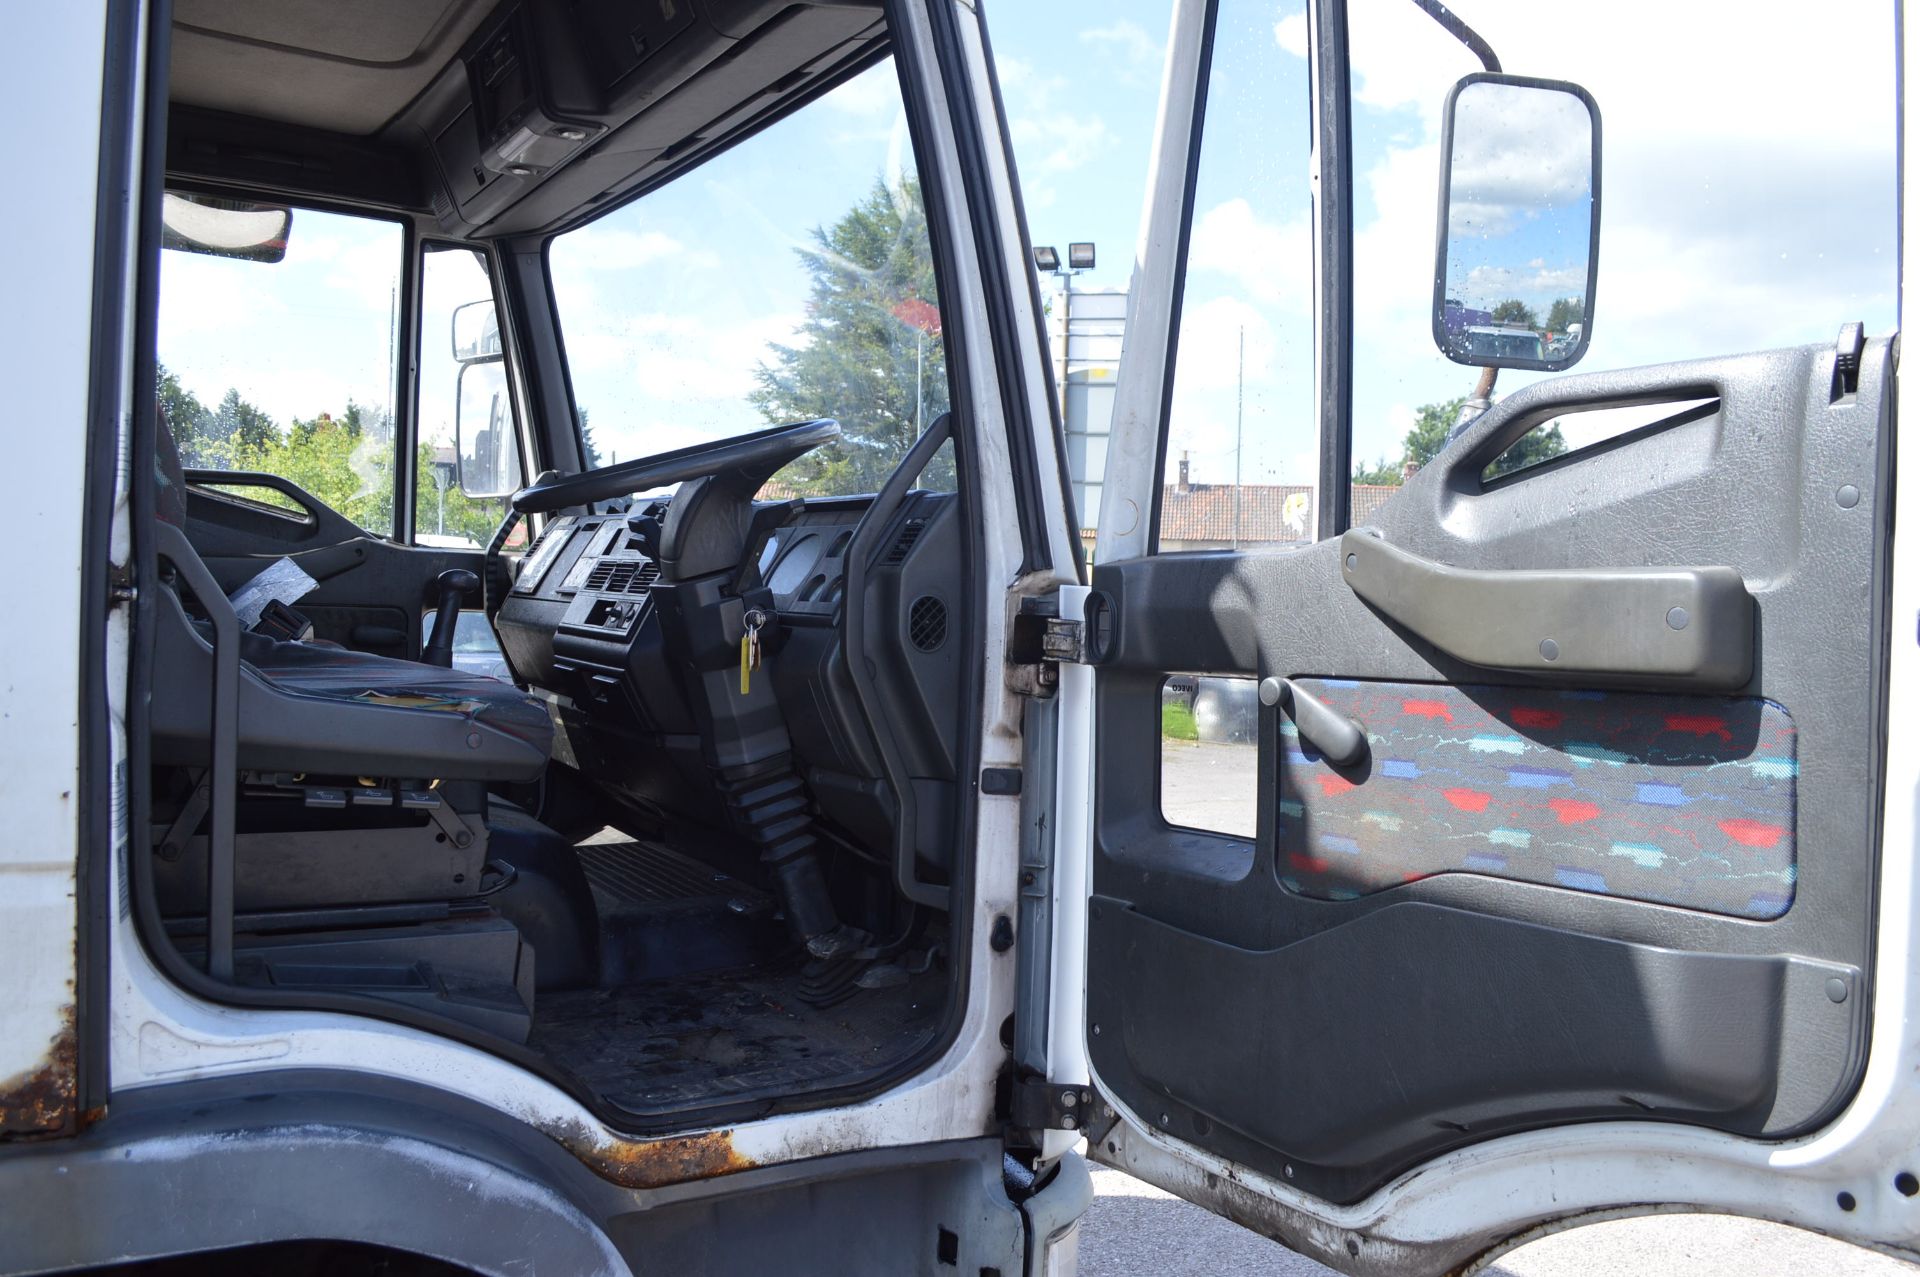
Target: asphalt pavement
1134,1228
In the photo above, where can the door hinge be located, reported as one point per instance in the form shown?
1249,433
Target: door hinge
1039,1105
1063,640
1041,641
121,591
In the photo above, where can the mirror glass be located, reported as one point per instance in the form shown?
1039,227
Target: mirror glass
476,331
1514,286
488,454
224,228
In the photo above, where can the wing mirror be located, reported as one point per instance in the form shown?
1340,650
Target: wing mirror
485,455
476,332
1519,223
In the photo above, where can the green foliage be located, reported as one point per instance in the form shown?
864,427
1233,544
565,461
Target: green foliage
869,353
1429,435
441,509
1514,311
1565,311
589,450
240,422
345,461
1382,473
1176,723
1421,445
186,415
1535,446
1431,426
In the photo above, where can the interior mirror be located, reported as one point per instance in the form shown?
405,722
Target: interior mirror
224,228
1519,223
486,452
476,332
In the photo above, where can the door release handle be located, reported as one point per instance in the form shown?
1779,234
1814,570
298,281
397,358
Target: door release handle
1339,737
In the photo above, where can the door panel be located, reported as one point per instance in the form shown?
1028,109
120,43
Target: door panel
1442,942
372,593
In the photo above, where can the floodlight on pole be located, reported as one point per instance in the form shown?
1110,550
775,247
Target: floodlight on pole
1080,256
1047,257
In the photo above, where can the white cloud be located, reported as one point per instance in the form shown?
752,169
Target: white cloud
1516,152
873,94
1290,33
603,247
1139,55
1271,261
1733,219
1050,139
1483,282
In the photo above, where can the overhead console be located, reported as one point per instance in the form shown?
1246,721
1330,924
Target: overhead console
553,107
512,120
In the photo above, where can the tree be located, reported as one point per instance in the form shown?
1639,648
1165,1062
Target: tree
239,424
589,449
869,353
1535,446
452,513
1514,311
1422,443
1382,473
1564,312
186,415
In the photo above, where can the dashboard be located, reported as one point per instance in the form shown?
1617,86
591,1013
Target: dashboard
583,623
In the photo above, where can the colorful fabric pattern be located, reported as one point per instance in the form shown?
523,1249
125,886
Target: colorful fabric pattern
1672,800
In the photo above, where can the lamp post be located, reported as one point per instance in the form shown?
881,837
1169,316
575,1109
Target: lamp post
1080,258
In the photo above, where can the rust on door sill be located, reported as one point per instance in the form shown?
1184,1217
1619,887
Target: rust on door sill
45,1101
653,1163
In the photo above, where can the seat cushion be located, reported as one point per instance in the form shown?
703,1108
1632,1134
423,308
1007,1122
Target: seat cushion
337,673
305,707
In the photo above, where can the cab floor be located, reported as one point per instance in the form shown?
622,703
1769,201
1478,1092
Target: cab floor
711,1036
699,998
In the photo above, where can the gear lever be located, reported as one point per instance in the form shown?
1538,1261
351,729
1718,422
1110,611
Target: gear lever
455,584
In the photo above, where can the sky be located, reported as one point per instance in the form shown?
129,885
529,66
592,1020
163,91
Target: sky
1736,215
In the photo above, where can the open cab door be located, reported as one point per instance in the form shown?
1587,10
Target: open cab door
1533,842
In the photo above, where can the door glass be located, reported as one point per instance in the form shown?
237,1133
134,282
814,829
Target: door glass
456,280
1210,753
791,277
287,366
1732,219
1242,454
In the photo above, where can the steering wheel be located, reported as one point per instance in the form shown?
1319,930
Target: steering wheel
751,457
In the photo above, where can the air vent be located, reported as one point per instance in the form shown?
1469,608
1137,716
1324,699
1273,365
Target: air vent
903,544
622,576
927,623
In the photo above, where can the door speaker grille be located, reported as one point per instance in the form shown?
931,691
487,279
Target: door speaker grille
927,623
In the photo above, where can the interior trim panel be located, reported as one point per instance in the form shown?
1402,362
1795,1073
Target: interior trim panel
1353,1028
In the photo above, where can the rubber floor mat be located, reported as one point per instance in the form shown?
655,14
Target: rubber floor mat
645,873
712,1036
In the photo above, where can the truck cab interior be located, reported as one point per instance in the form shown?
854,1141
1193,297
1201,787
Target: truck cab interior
641,766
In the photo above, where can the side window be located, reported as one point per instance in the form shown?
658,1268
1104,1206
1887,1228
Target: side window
789,277
277,353
1242,451
1712,239
469,458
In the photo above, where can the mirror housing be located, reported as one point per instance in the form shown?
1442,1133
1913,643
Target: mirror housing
476,332
219,227
486,452
1519,234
